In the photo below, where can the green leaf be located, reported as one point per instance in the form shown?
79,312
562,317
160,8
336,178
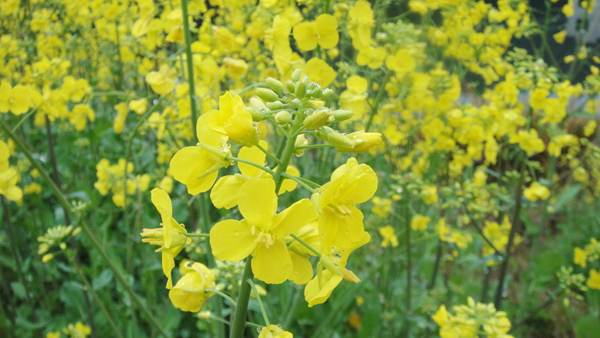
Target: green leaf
587,327
102,280
18,289
566,196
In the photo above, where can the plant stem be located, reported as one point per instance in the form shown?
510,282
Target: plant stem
511,237
260,303
239,316
190,65
55,174
408,262
378,98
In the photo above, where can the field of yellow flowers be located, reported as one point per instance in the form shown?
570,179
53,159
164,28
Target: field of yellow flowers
317,168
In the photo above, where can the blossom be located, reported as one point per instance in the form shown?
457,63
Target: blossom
163,81
419,222
322,32
14,99
274,331
389,236
231,120
535,191
580,257
320,72
341,222
171,237
189,293
261,232
594,281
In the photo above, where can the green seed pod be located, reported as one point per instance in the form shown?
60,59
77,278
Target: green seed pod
275,84
290,86
340,141
326,94
274,105
267,94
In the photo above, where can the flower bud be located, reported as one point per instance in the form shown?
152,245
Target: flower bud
283,117
340,141
275,105
326,94
257,113
300,90
296,75
275,84
318,119
342,115
267,94
290,86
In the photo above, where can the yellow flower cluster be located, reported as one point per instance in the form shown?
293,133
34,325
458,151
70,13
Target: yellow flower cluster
118,180
590,253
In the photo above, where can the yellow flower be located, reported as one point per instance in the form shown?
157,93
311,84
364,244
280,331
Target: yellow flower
560,36
402,62
331,270
189,293
535,191
262,231
16,100
197,167
389,237
594,281
322,32
163,81
171,237
122,112
224,193
528,141
8,184
138,106
232,120
580,257
419,222
341,222
79,116
372,57
274,331
361,21
429,194
442,316
320,72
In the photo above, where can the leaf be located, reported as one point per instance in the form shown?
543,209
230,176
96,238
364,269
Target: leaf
18,289
102,280
566,196
587,327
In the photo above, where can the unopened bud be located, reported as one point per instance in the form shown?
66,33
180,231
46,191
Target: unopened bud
326,94
318,119
296,75
290,86
283,117
340,141
300,90
275,84
342,115
364,141
257,113
317,92
267,94
275,105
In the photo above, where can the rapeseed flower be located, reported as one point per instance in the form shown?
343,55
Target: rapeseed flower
322,32
261,232
189,293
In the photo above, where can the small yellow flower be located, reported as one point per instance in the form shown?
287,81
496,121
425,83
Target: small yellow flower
560,36
535,191
171,237
189,293
389,236
580,257
419,222
274,331
322,32
594,281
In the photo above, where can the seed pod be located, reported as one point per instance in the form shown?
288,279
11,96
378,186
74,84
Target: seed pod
342,115
296,75
318,119
283,117
300,90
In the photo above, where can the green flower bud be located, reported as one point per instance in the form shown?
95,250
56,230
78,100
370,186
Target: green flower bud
274,105
257,113
283,117
326,94
275,84
300,90
267,94
340,141
316,93
342,115
296,75
290,86
318,119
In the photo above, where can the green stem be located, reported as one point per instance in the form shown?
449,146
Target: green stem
314,146
378,98
239,316
407,218
269,155
260,303
198,235
299,181
216,292
62,200
190,65
256,165
318,254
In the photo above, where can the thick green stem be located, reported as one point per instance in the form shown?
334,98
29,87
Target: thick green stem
239,317
62,200
190,65
407,218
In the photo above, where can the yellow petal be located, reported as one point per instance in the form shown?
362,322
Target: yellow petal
161,201
168,263
304,33
303,270
252,154
288,184
231,240
190,163
272,265
257,201
318,295
225,192
295,217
